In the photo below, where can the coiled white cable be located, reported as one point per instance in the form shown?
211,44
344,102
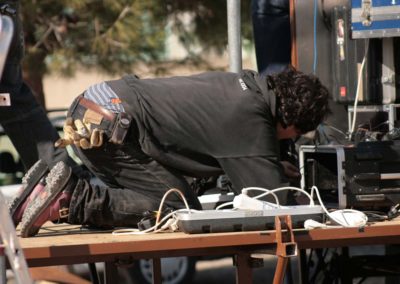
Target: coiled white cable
343,217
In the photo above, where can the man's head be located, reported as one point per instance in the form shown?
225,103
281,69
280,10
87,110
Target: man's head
302,101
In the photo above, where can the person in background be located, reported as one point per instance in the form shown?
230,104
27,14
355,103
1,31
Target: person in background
25,122
272,38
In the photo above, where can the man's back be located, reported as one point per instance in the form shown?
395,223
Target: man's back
211,115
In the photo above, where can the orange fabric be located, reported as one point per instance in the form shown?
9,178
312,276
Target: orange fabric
116,101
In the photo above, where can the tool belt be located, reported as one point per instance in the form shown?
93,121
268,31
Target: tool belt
115,125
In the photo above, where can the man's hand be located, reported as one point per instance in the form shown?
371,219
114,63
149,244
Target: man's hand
78,133
290,170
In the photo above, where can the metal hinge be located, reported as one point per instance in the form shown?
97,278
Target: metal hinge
366,12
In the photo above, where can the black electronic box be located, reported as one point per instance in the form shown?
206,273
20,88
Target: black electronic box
366,176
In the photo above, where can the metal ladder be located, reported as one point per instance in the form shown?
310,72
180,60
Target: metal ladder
11,248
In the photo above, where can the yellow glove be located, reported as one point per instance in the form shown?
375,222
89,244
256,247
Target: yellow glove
78,133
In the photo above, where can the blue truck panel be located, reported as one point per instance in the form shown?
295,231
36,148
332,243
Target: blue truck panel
375,18
375,3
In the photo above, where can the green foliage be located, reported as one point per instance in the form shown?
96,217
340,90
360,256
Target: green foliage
113,35
110,34
209,26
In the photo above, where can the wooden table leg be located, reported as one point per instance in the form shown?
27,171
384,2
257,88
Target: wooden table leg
94,276
110,272
157,278
280,269
244,272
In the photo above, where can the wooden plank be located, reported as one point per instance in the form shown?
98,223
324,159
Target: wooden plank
57,245
55,274
63,242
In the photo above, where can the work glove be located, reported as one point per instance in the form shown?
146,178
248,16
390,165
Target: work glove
80,134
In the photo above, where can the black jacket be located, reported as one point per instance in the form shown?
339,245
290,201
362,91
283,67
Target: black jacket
207,124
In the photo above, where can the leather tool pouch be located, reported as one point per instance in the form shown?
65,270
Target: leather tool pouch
115,125
120,129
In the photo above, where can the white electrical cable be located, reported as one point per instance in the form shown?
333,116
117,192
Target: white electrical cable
223,205
267,191
343,217
287,188
135,231
154,229
358,89
165,196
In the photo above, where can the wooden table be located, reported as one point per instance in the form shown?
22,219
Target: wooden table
66,244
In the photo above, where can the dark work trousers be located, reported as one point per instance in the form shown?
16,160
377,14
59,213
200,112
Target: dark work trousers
135,183
25,121
271,28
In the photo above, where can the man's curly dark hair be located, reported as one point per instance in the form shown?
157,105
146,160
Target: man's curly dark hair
302,101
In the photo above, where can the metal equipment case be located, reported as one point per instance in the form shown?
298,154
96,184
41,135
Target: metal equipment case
366,176
375,18
380,20
347,57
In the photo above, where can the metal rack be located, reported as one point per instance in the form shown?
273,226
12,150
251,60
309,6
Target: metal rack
390,109
11,248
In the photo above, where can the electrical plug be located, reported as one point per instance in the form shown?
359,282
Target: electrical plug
242,201
394,211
